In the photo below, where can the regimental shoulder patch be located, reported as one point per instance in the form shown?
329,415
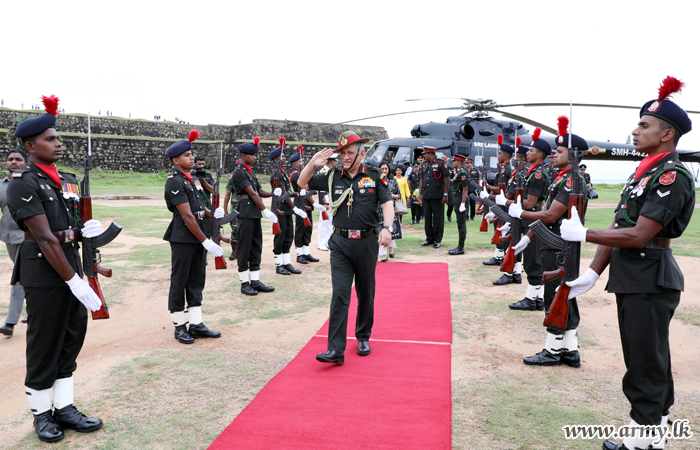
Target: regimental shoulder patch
385,182
668,178
570,183
17,174
464,177
538,175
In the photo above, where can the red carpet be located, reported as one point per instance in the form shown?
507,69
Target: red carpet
399,397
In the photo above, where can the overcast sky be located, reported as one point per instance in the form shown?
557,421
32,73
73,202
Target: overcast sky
223,61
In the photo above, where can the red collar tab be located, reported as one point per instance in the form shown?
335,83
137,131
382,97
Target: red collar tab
647,163
363,169
561,175
532,168
345,141
188,176
248,168
51,172
504,163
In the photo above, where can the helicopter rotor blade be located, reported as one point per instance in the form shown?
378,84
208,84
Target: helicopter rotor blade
439,98
527,121
591,105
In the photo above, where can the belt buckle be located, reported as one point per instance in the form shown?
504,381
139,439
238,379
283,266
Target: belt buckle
354,234
70,236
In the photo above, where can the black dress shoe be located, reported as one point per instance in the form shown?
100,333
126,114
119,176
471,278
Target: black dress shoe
539,304
413,222
392,255
426,243
291,269
505,279
25,319
7,329
493,262
449,218
436,245
69,418
46,427
456,251
363,348
182,336
331,356
258,286
282,270
526,304
571,359
247,289
471,218
310,258
543,358
301,259
517,278
612,445
201,331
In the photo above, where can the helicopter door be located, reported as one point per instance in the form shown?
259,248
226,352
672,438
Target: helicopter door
403,155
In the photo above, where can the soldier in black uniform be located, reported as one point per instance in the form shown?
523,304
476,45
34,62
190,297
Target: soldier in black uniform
283,241
188,244
535,192
656,206
44,204
434,186
460,183
561,346
249,192
302,233
355,190
505,153
414,184
552,169
472,175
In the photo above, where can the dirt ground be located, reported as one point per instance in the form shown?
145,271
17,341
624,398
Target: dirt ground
138,321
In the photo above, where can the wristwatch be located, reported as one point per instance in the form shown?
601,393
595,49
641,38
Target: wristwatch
390,228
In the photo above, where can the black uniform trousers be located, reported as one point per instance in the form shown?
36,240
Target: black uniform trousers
471,207
283,241
461,218
532,262
351,259
644,321
549,262
56,331
416,211
187,275
302,233
434,211
249,244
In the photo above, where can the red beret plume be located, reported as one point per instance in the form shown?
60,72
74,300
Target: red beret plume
518,141
500,139
256,140
669,87
301,149
536,134
562,125
194,134
50,104
283,141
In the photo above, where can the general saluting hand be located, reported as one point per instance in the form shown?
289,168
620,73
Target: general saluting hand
320,158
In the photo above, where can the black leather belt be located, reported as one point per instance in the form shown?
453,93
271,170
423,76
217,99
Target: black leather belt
197,215
243,196
658,242
62,236
354,234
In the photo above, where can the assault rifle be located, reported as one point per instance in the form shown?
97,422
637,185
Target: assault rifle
514,236
483,205
501,181
306,207
91,246
321,201
216,224
276,201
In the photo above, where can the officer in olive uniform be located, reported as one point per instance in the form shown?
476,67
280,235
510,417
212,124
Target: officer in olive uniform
355,190
561,346
283,241
433,194
656,206
302,233
460,183
535,192
472,175
247,187
232,197
188,244
44,202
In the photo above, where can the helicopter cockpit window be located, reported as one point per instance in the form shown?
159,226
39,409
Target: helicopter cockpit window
403,155
376,154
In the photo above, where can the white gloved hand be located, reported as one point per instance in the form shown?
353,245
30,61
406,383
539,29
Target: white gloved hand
515,210
501,199
83,292
520,246
213,248
504,229
299,212
483,194
582,284
319,206
277,192
490,216
326,199
462,207
219,213
272,217
92,228
572,229
302,192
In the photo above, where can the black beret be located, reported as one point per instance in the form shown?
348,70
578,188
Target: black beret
178,148
294,157
275,153
507,148
670,112
248,148
522,150
578,142
542,145
35,125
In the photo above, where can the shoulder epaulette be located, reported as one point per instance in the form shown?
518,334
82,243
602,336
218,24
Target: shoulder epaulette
63,172
171,175
376,169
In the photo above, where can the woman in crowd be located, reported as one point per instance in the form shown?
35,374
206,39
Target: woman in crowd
404,189
397,233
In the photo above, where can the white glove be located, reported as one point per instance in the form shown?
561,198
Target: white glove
302,192
504,229
213,248
92,228
462,207
490,216
83,292
326,199
515,210
582,284
319,206
299,212
520,246
572,229
219,213
501,199
272,217
483,194
277,192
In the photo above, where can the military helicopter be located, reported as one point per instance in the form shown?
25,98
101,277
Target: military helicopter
476,136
